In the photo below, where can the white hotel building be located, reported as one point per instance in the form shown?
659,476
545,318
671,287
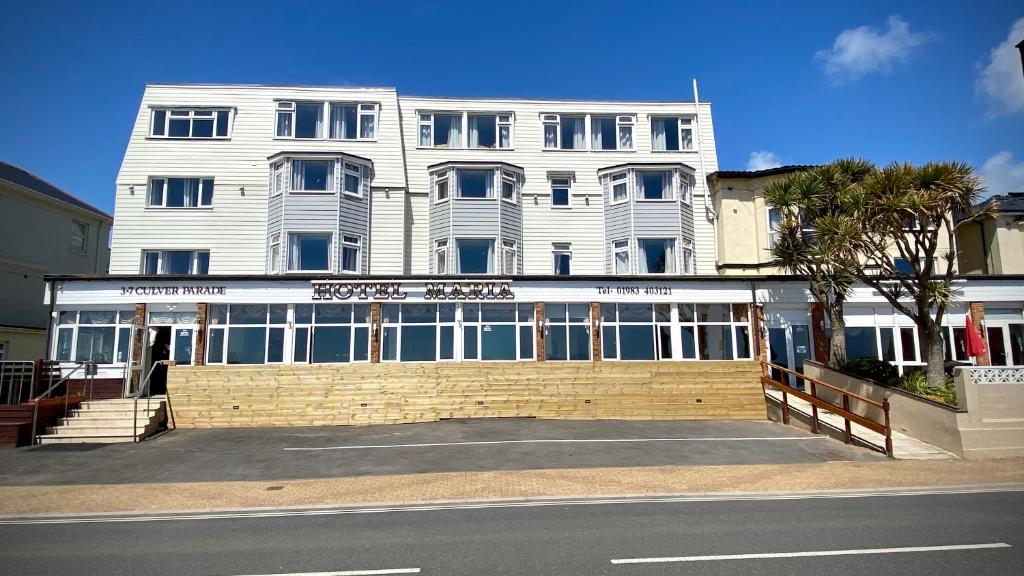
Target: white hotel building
297,225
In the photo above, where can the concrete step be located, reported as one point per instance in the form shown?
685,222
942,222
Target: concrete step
113,413
123,404
96,430
84,439
110,422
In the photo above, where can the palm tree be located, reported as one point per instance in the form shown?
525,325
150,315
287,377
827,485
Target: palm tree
812,202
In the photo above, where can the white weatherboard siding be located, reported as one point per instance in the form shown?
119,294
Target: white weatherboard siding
417,222
387,217
235,228
582,225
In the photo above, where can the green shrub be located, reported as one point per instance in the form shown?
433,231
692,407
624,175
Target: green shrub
871,368
917,383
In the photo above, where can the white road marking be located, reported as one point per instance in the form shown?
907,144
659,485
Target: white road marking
490,504
812,553
559,441
350,572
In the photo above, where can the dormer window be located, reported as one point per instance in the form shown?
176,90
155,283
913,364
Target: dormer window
672,134
202,123
344,120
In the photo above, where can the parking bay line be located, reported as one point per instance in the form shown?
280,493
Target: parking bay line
556,441
813,553
351,573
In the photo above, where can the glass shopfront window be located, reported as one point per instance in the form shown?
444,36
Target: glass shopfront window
331,333
497,331
246,333
101,336
666,331
567,331
417,332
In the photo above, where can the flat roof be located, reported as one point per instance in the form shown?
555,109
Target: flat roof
761,173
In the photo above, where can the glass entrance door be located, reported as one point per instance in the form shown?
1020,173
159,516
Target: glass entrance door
789,340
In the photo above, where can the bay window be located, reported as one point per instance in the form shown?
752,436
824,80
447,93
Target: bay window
620,192
312,176
309,251
475,183
441,186
274,254
345,120
175,262
350,253
474,256
351,174
620,256
441,257
508,187
180,192
686,252
566,331
657,256
207,123
672,133
654,185
508,256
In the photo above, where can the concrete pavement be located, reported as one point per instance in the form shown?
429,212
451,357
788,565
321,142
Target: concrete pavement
935,534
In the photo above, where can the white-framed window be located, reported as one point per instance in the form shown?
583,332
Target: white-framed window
686,251
673,133
344,120
3,350
309,251
508,256
274,253
774,223
79,237
210,123
620,257
474,256
352,179
611,132
441,256
566,331
565,131
441,130
685,188
418,332
561,192
312,176
351,253
277,181
715,331
654,185
656,255
561,258
101,336
331,333
490,131
175,262
496,332
620,190
180,193
635,331
475,183
508,187
246,333
442,190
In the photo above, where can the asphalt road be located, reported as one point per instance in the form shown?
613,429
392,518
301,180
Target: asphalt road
562,539
258,454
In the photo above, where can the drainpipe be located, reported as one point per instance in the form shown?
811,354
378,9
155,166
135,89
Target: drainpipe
708,208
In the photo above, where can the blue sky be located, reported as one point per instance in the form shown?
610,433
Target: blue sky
790,82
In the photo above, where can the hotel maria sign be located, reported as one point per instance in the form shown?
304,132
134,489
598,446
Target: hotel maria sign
463,291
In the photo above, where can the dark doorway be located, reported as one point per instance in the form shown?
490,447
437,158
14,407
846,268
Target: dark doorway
159,349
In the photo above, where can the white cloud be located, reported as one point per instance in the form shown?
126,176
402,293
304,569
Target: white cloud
864,50
763,160
1002,80
1002,175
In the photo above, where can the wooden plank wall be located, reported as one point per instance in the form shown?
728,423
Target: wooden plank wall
324,395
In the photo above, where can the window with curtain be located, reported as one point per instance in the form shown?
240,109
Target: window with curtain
657,256
309,120
561,256
312,176
175,262
567,331
620,192
475,183
672,133
101,336
483,131
350,253
686,252
508,256
441,190
603,134
620,257
474,256
331,333
654,184
351,174
441,257
180,192
573,133
441,130
309,251
246,333
345,120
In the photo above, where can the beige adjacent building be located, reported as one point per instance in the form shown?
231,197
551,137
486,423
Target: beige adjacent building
43,230
995,246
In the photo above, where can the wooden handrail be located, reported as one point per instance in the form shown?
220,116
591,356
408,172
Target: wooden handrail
832,387
815,402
